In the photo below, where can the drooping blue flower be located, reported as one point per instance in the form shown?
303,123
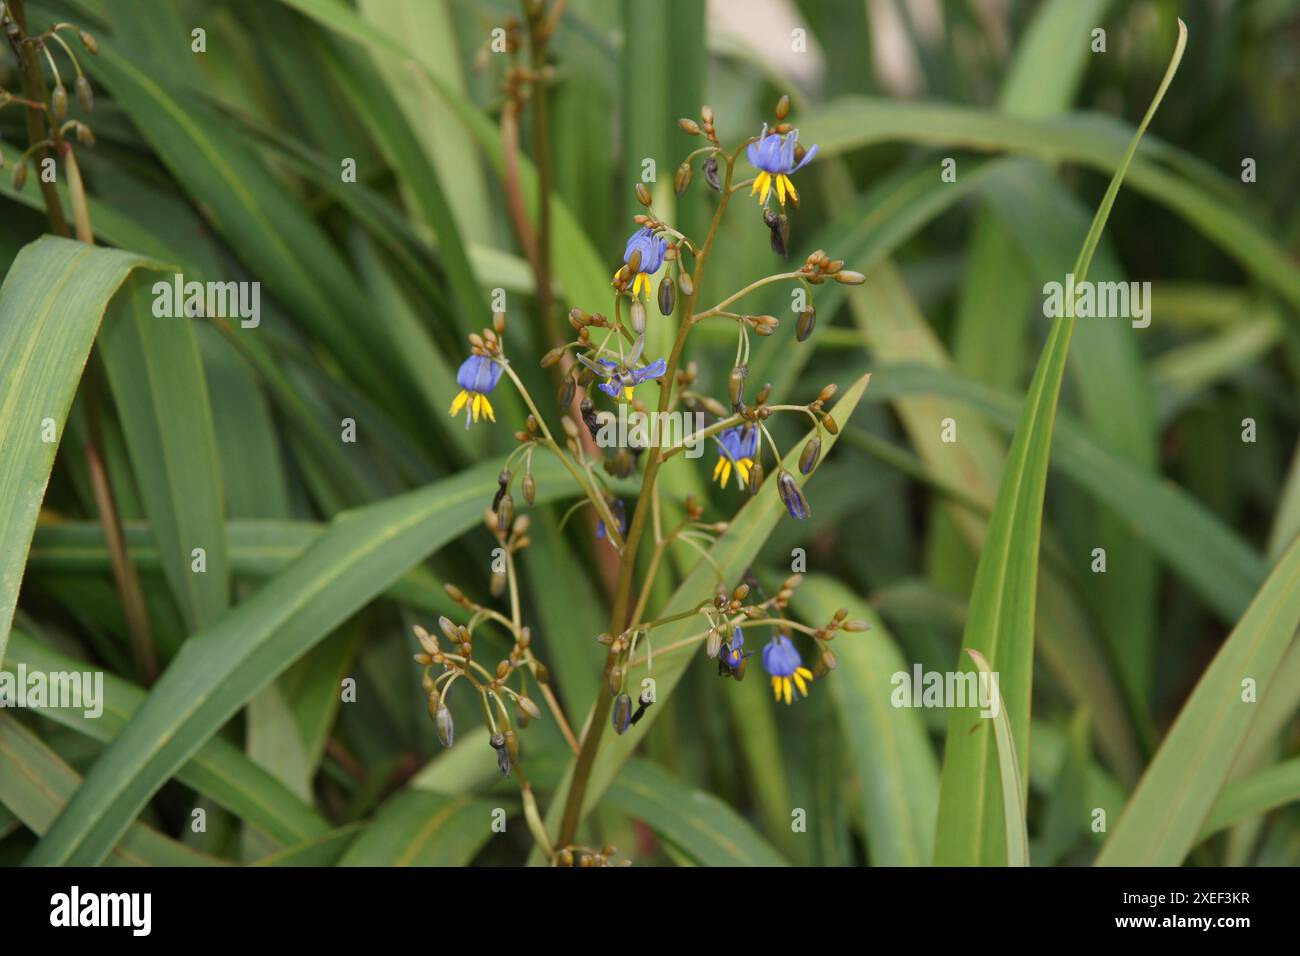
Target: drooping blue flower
781,659
737,446
621,383
773,155
733,655
477,376
652,249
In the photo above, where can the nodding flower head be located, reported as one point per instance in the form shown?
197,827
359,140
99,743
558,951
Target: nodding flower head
620,377
781,659
477,376
650,251
774,157
732,657
737,447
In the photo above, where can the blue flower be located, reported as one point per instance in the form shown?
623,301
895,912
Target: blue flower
731,660
621,382
652,249
773,156
619,512
782,661
736,446
477,376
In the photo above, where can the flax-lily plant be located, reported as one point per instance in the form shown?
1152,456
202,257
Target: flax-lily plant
812,479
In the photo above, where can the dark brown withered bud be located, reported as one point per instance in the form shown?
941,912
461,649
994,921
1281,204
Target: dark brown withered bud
503,482
588,409
779,226
710,170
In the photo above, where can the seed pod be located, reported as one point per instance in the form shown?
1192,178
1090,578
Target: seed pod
806,324
811,453
642,194
20,176
667,294
783,107
638,317
755,477
736,386
59,103
687,283
622,713
710,169
530,489
446,726
688,126
850,278
682,179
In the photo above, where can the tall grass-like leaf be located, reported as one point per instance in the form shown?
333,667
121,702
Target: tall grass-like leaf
217,770
157,379
699,824
1162,820
1000,624
51,305
35,784
1251,796
220,668
420,828
1013,785
888,745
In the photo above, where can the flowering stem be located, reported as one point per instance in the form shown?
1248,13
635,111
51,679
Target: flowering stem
766,280
34,89
627,566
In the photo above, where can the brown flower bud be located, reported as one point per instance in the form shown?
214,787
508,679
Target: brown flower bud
59,103
688,126
642,196
848,277
806,324
84,94
783,107
811,453
682,179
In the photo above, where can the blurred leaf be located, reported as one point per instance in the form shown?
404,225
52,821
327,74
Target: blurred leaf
218,769
35,784
51,304
156,376
889,746
419,828
1254,795
1161,822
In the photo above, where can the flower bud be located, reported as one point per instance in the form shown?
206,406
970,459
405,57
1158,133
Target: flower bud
20,176
855,625
642,195
806,324
667,294
638,317
755,477
783,107
622,713
84,94
551,357
811,453
850,278
446,726
90,43
687,283
710,169
682,179
59,103
792,497
689,127
713,646
530,489
736,385
531,709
